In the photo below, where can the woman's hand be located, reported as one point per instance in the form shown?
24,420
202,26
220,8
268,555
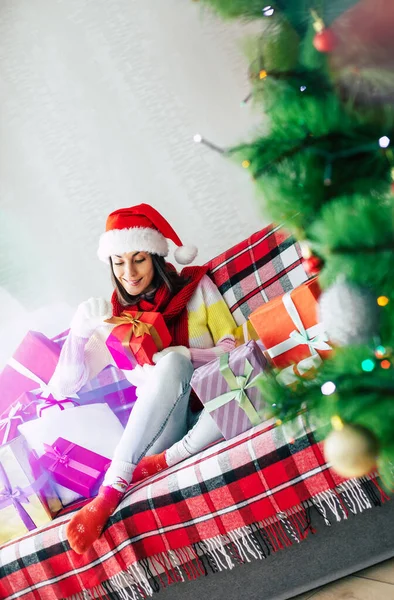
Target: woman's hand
89,315
178,349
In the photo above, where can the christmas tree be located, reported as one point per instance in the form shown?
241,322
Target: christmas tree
321,71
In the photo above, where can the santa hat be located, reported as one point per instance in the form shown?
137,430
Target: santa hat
141,228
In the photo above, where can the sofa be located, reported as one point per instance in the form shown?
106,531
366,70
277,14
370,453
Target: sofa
261,514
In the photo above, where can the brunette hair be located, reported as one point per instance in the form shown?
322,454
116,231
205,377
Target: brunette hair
163,274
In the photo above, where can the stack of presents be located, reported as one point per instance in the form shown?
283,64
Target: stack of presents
53,451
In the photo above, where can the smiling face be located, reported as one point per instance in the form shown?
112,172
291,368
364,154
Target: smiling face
134,271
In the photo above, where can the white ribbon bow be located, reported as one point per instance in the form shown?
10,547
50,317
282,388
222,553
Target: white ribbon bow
7,421
314,337
44,390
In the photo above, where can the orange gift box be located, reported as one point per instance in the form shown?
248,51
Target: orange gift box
136,337
289,328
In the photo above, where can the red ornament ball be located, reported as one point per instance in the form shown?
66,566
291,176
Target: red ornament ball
325,40
312,265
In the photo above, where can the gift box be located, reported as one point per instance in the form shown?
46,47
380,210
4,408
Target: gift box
306,369
227,389
94,427
35,405
60,338
74,467
110,387
136,337
30,368
23,506
19,412
120,400
288,326
245,333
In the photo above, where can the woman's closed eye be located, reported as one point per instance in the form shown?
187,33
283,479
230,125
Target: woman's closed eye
140,260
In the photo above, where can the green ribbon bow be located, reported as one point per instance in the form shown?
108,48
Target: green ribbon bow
238,385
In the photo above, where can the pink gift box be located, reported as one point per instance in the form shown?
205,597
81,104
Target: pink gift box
74,467
36,354
218,386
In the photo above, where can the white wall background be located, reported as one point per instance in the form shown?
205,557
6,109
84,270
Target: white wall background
99,102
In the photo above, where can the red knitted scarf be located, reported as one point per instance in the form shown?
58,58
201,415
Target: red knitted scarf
172,307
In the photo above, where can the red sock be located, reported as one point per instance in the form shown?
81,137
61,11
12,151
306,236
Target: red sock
87,524
149,465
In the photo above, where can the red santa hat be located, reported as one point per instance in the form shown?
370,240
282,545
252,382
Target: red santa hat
141,228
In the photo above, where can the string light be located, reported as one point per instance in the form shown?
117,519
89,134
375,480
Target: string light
384,141
268,11
198,139
380,352
306,251
383,301
278,422
303,88
368,365
246,100
385,364
336,422
263,74
328,388
245,164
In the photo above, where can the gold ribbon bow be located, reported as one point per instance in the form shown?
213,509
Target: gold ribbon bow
137,328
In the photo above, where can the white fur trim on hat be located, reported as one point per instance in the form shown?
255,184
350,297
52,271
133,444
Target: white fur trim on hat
141,239
184,255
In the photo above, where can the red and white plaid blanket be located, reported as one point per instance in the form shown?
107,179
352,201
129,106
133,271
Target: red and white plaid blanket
238,500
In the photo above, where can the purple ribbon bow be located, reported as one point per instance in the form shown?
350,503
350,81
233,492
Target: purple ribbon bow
44,403
17,496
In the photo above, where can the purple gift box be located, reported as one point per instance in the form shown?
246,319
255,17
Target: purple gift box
111,387
74,467
31,367
227,389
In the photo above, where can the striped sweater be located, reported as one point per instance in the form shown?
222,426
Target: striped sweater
210,327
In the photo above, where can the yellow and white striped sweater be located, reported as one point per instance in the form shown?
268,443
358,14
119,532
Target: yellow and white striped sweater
210,327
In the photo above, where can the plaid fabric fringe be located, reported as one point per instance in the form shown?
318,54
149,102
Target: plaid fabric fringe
244,545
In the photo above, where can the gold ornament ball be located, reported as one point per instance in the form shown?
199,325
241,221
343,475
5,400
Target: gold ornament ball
352,451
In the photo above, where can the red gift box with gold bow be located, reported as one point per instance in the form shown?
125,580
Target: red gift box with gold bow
136,337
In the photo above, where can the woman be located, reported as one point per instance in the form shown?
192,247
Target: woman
161,430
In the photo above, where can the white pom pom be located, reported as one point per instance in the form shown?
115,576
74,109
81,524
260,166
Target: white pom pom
349,314
184,255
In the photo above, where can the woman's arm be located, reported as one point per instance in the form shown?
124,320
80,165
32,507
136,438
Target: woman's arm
220,324
84,353
201,356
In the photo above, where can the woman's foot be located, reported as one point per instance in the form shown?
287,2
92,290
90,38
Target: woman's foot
87,524
149,465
